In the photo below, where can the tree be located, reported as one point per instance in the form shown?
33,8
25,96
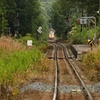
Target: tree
75,8
29,16
46,6
10,7
27,12
59,19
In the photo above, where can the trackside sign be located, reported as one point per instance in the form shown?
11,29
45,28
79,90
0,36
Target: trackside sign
29,42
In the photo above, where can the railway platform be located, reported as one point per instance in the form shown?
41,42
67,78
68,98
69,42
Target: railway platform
79,50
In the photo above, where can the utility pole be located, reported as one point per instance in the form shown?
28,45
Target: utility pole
16,22
99,12
99,5
93,20
2,23
82,13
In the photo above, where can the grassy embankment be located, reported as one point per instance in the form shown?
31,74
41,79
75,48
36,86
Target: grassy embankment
18,63
92,64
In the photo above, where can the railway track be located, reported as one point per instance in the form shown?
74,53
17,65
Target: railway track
60,81
65,68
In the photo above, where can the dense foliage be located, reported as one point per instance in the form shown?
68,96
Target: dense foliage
75,36
20,15
66,12
92,64
45,7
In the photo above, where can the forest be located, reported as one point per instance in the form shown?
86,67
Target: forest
20,15
65,13
25,16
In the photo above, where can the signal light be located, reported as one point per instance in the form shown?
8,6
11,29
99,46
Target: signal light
67,19
17,19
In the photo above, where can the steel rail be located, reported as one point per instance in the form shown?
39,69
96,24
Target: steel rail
56,73
77,74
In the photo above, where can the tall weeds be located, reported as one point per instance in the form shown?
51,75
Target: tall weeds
8,44
92,64
16,61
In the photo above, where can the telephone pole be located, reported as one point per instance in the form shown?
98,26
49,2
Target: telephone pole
2,23
16,22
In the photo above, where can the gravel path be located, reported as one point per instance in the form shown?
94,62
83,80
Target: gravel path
39,86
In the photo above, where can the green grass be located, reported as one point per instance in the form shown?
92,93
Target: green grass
16,59
17,62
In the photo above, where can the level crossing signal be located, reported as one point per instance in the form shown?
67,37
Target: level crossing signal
17,19
91,43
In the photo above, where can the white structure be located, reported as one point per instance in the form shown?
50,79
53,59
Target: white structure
39,29
29,42
83,21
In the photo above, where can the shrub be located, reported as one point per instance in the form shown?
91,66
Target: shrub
16,60
92,64
18,63
8,44
29,37
77,37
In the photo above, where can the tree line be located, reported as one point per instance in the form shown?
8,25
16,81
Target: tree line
25,16
65,13
20,15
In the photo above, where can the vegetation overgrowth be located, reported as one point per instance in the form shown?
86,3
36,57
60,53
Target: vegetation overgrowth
41,45
91,60
76,36
64,17
92,64
17,62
